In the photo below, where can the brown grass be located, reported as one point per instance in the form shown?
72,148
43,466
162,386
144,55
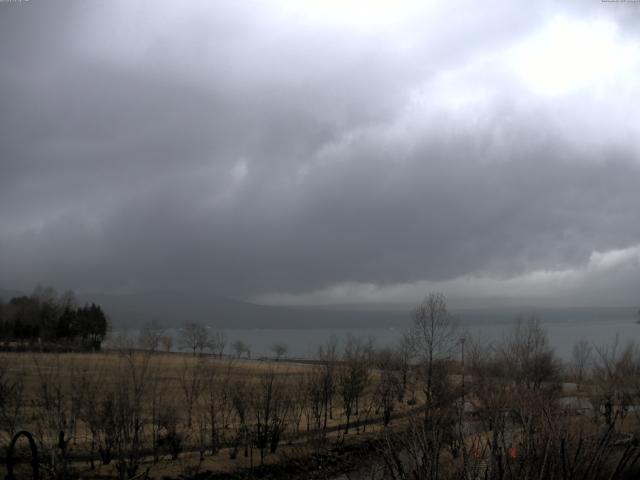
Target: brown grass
67,369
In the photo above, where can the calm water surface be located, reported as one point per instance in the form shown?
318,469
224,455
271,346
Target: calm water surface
562,336
564,328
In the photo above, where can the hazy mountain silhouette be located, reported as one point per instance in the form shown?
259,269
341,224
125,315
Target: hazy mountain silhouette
171,309
174,308
7,295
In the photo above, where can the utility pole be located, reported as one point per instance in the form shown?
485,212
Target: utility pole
462,340
462,405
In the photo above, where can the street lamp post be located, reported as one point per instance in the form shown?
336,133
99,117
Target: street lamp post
462,340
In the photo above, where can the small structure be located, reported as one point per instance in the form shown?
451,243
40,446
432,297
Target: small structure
34,455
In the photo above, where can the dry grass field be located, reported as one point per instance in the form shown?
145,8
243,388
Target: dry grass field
131,413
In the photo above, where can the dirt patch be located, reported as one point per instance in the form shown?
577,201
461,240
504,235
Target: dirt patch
328,464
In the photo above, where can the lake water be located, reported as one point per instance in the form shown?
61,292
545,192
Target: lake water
562,336
565,327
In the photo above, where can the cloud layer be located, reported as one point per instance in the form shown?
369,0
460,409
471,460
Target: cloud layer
304,152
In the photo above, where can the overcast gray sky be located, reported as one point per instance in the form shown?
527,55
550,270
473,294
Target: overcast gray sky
306,152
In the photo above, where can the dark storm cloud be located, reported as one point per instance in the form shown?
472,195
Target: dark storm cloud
250,148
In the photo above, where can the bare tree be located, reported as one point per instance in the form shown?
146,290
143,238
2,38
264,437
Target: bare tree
327,354
166,342
90,384
615,372
131,416
404,355
297,401
580,357
225,405
432,336
194,337
213,392
279,349
315,395
389,382
157,402
529,355
270,409
191,379
414,452
169,438
150,336
68,300
11,405
353,376
239,347
56,417
515,390
522,431
217,344
240,399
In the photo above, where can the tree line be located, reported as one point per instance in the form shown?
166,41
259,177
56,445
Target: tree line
45,319
512,409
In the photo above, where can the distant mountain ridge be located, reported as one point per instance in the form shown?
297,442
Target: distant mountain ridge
171,309
7,295
174,308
